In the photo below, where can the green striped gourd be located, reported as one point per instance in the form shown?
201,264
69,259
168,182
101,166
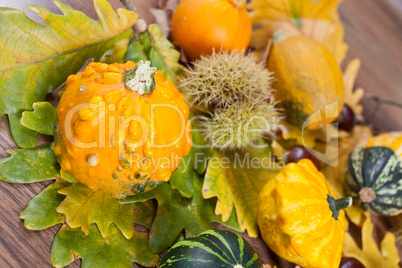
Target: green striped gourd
213,248
374,177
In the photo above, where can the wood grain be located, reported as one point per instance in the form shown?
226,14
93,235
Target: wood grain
373,32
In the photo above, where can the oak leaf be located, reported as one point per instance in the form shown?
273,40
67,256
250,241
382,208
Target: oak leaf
33,55
41,119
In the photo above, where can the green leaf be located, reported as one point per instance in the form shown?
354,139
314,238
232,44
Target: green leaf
41,119
82,207
23,137
116,54
236,179
156,48
29,165
41,211
135,52
114,251
67,176
176,212
36,59
191,165
144,212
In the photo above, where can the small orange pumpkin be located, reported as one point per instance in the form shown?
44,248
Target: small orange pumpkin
199,26
122,128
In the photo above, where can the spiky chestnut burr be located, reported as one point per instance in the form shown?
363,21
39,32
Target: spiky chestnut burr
234,94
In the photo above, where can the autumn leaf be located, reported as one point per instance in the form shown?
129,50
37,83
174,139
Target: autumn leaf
153,46
114,251
29,165
23,137
353,96
83,207
237,184
36,59
41,119
41,211
370,255
316,19
176,212
144,212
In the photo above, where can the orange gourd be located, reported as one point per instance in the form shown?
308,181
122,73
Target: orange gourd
122,128
308,81
300,219
199,26
392,140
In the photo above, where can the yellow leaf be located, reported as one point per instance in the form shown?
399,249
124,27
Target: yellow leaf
370,255
316,19
236,179
353,97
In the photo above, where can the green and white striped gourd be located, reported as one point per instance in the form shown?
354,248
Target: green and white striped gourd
374,177
213,248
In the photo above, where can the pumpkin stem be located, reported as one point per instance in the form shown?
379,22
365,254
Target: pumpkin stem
141,78
238,3
336,205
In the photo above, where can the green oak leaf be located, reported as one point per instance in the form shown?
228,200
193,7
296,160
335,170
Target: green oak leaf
191,166
41,119
82,207
114,251
144,212
23,137
29,165
41,211
236,179
37,58
153,46
176,212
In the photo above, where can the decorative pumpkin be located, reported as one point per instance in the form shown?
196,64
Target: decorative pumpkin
300,219
122,128
374,177
392,140
213,248
307,79
199,26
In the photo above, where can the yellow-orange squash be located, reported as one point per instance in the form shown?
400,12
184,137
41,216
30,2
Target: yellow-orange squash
122,128
308,79
300,219
392,140
199,26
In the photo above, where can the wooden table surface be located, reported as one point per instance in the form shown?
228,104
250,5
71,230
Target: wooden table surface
373,32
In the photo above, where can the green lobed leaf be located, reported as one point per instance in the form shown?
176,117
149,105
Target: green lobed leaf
176,212
238,183
144,212
41,119
114,251
82,207
41,211
39,58
23,137
153,46
29,165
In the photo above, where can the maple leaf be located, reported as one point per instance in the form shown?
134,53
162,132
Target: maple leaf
29,165
82,207
238,186
96,251
41,119
41,211
370,255
176,212
353,97
153,46
316,19
33,54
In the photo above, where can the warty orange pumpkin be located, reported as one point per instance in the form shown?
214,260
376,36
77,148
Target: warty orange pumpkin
121,128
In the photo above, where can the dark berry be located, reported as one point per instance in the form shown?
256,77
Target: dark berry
348,262
346,119
296,153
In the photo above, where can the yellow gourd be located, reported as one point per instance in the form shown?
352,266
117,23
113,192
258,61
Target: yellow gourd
122,128
300,219
307,79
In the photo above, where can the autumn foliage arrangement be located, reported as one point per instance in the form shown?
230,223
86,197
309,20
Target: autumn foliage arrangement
242,118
